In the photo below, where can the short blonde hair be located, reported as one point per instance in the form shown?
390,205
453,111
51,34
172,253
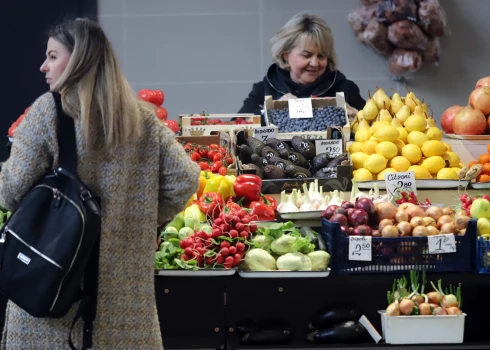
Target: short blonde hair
298,28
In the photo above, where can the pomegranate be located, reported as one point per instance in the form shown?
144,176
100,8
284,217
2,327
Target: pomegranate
448,117
482,82
480,99
469,121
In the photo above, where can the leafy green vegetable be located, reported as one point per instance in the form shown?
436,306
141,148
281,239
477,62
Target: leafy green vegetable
167,257
300,244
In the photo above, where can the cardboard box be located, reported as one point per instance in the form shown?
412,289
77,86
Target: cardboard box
338,100
186,121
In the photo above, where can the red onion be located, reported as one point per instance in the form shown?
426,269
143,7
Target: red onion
340,210
362,230
345,231
366,204
347,205
358,217
328,212
341,219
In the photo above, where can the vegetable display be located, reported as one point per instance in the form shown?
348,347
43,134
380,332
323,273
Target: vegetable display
211,157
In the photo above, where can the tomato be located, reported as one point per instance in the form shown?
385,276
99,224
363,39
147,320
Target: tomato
195,157
214,146
144,94
161,113
217,156
229,160
172,125
203,165
215,167
222,150
157,97
222,171
203,152
211,154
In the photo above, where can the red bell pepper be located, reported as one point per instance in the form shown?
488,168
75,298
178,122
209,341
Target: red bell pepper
261,212
211,204
269,201
248,186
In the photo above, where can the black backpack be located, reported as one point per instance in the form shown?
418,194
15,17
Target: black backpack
50,243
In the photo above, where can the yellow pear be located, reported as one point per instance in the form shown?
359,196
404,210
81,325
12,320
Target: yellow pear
382,100
354,124
416,122
403,114
396,103
425,107
363,124
370,110
431,122
418,109
411,100
376,125
396,123
384,115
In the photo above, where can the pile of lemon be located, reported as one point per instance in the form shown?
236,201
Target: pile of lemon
393,145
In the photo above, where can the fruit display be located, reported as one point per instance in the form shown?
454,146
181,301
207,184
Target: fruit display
401,137
276,159
473,118
203,119
156,97
365,218
408,298
213,157
481,167
323,117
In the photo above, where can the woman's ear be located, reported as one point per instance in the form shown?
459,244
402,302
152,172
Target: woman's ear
285,57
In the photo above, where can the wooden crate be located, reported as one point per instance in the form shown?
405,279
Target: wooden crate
204,130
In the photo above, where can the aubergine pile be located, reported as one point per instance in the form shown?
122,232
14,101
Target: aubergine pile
336,326
276,159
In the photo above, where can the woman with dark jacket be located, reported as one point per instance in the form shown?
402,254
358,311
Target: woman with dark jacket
305,66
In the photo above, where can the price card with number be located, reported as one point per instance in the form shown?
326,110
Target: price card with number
398,182
264,133
332,147
300,108
360,248
441,244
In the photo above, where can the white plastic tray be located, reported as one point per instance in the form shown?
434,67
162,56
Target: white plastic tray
198,273
302,215
468,137
419,183
447,329
480,185
283,274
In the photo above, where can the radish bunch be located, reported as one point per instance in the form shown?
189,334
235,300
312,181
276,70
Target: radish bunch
225,246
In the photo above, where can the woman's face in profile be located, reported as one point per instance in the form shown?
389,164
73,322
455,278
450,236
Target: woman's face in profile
57,57
306,62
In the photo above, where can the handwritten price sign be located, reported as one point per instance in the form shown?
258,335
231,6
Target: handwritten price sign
441,244
360,248
333,147
264,133
399,182
300,108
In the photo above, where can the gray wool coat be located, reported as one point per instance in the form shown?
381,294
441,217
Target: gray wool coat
141,186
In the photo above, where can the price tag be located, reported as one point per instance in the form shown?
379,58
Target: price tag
398,182
300,108
264,133
441,244
332,147
370,328
224,139
360,248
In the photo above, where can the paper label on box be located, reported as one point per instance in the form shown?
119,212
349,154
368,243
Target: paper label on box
441,244
225,139
370,328
300,108
397,182
360,248
264,133
332,147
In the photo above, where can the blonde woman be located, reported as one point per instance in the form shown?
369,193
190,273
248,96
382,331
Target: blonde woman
128,158
305,65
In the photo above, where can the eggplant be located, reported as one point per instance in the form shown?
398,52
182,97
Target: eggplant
320,161
345,332
337,161
327,318
268,336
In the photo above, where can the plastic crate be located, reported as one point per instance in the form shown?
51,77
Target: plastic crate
401,254
482,258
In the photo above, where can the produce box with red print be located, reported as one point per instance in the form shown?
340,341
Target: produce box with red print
204,124
211,153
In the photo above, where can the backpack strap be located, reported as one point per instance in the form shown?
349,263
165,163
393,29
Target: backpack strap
67,148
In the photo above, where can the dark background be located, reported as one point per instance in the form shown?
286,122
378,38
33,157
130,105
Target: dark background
23,28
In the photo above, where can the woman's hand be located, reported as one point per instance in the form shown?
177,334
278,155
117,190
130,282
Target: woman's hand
351,111
288,96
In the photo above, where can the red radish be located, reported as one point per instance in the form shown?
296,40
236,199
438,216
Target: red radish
240,226
244,234
245,220
232,250
470,121
366,204
448,117
240,247
229,261
225,251
220,258
237,258
480,99
218,221
358,217
225,244
253,227
233,233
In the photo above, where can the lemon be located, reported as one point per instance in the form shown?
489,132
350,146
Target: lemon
434,164
417,138
452,158
362,175
355,147
400,163
434,133
448,146
375,163
420,172
416,122
387,149
358,159
403,134
362,135
447,174
433,148
399,145
372,138
381,175
377,125
387,133
412,153
369,146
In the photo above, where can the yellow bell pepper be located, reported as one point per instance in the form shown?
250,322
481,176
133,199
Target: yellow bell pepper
219,184
231,179
203,180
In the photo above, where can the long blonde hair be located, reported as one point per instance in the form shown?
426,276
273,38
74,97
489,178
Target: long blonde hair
302,26
93,86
